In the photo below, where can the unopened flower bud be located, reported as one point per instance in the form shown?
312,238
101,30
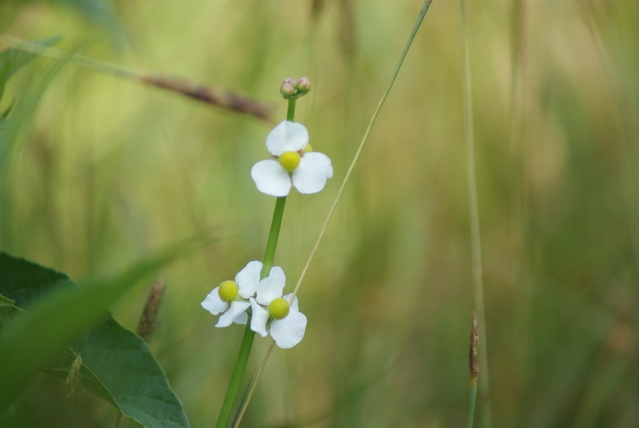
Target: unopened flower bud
303,85
289,81
287,90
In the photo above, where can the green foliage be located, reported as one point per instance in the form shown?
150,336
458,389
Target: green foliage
12,60
13,126
105,170
119,362
125,368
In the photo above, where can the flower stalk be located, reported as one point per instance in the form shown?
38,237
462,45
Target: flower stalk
271,244
247,340
256,296
236,377
290,112
249,335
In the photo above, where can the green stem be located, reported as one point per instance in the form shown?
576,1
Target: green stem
271,244
290,113
473,205
85,61
247,340
471,405
236,377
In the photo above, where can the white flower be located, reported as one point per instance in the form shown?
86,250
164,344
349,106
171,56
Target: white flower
293,164
231,297
273,314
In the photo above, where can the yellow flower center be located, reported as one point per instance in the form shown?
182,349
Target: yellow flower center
290,160
278,308
228,291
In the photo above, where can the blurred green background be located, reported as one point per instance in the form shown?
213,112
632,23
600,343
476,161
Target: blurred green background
109,170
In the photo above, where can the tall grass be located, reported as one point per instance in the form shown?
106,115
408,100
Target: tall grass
111,170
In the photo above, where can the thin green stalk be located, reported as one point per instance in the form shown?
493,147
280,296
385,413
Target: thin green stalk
247,340
471,405
290,112
271,244
236,377
474,371
207,94
362,143
85,61
249,335
478,283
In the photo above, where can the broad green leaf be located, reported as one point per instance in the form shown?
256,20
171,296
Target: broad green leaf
58,313
24,282
124,366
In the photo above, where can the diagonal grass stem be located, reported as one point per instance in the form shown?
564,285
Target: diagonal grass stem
362,143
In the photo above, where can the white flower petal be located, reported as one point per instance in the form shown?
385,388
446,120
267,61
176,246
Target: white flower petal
241,318
313,171
213,303
289,331
259,318
270,178
234,311
287,137
271,287
248,278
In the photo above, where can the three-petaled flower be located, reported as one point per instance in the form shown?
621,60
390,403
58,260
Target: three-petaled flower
293,164
271,312
231,297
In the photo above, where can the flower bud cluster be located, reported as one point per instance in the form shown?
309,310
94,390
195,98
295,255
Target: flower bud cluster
294,88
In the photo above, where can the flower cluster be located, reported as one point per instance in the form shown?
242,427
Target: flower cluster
293,163
294,88
271,311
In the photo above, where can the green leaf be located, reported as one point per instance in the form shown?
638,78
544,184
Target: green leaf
11,60
14,59
5,67
122,363
15,125
24,282
7,310
118,362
